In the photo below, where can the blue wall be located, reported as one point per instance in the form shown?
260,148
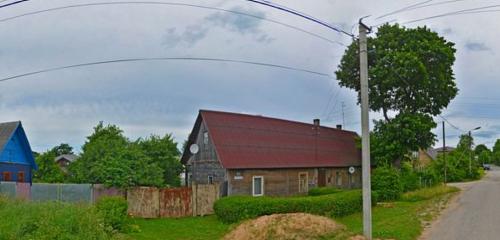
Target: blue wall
16,156
14,169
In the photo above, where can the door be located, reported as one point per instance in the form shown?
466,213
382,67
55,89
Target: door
303,182
321,177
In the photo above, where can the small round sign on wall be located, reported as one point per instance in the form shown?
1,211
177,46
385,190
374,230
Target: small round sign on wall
352,170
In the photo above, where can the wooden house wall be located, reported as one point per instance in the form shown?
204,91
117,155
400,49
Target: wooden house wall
285,182
205,163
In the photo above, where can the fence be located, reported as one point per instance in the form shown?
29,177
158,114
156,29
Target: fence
150,202
144,202
58,192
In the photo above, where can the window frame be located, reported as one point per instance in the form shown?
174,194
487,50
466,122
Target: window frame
261,186
19,178
307,182
5,178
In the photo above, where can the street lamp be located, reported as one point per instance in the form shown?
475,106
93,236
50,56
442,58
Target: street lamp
470,148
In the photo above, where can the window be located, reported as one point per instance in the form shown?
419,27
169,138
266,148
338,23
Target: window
338,179
258,186
7,177
20,176
303,182
210,179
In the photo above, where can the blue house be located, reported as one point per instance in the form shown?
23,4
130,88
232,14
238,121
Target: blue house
16,158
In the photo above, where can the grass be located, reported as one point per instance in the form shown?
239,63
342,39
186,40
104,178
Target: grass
192,228
403,220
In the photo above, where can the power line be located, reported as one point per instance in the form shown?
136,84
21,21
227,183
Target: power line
167,59
13,3
451,124
174,4
465,11
297,13
403,9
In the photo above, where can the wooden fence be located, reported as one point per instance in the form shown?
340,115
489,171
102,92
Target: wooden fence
150,202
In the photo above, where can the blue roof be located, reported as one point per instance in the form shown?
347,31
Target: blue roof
13,138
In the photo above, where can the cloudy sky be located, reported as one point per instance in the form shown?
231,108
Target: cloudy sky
159,97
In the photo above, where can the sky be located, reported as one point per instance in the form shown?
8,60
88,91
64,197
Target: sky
164,97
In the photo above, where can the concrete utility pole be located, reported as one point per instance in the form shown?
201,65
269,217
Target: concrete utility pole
365,131
343,114
444,153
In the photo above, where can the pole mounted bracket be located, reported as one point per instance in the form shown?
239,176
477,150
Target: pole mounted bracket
369,29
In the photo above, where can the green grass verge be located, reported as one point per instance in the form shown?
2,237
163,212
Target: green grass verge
192,228
402,219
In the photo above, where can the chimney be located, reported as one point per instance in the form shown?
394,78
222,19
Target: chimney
339,126
316,122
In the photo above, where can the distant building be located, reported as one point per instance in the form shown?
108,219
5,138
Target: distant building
256,155
65,160
16,158
425,157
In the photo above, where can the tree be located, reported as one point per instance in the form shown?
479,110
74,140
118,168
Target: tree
411,78
62,149
163,152
48,170
109,158
496,153
481,148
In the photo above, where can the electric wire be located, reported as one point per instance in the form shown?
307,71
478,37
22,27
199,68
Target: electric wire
174,4
403,9
464,11
166,59
13,3
294,12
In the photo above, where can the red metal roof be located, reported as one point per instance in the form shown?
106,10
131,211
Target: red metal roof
249,141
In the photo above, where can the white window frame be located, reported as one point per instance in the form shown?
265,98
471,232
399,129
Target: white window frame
307,182
261,185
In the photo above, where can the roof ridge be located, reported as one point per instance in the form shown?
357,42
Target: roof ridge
274,118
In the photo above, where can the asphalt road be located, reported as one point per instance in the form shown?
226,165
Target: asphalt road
474,214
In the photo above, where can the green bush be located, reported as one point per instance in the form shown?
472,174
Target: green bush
427,193
114,211
386,182
50,220
409,178
236,208
323,191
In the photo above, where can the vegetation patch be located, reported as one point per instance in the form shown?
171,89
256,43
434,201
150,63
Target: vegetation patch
236,208
427,193
114,212
50,220
189,228
403,220
285,226
318,191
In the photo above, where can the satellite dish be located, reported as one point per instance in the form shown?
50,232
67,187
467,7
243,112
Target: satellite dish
352,170
194,148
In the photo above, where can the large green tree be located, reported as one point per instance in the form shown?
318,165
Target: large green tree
496,153
109,158
410,81
163,152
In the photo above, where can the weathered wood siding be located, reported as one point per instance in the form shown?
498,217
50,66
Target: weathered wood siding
285,182
205,163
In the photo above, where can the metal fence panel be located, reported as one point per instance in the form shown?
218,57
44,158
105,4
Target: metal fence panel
143,202
23,190
99,191
8,189
76,193
45,192
176,202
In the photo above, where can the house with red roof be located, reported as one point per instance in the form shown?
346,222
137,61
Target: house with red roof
257,155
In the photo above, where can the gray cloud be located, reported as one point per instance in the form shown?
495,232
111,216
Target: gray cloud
241,24
477,46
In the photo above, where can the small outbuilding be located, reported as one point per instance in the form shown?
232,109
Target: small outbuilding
16,158
257,155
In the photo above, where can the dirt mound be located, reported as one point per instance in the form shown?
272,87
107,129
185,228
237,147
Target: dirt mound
300,226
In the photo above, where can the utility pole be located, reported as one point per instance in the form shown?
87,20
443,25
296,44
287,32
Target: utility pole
470,157
365,130
444,153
